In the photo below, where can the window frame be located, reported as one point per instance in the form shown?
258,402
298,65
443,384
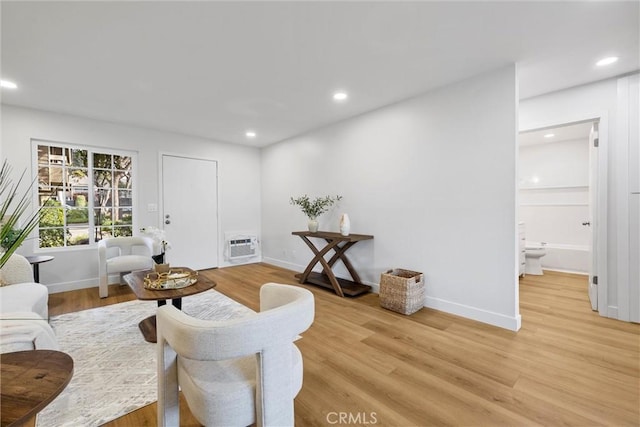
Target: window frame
91,225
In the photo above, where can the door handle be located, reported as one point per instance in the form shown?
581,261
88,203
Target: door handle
587,223
167,222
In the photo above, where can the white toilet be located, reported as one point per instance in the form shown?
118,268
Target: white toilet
532,255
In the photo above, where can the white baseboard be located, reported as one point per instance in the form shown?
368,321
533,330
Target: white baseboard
113,279
495,319
245,261
473,313
55,288
566,271
491,318
283,264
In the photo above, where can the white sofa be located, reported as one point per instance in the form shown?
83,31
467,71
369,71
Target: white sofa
24,309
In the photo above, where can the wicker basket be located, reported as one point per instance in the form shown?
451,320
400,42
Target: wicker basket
402,291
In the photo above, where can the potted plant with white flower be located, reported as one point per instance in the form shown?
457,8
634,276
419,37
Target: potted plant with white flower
160,242
314,208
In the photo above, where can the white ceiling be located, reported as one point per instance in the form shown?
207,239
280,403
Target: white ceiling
216,69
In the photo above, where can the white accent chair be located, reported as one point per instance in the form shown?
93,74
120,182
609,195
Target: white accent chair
23,309
122,255
235,372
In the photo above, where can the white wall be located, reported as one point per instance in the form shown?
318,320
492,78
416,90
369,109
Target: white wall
238,178
613,100
432,178
554,201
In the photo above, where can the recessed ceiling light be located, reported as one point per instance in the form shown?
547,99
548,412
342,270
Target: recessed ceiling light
550,135
250,134
607,61
8,85
340,96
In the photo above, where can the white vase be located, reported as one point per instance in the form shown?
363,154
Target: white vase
313,225
345,225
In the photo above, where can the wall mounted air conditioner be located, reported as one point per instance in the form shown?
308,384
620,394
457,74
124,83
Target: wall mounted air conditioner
241,247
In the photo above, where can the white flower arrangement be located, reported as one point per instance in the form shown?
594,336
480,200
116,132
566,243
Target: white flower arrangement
159,238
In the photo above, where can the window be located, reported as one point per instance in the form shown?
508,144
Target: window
86,194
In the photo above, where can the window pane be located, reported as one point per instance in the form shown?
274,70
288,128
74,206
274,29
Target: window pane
79,158
123,179
43,176
55,176
78,236
122,231
80,197
105,233
102,161
64,197
44,195
51,237
43,155
102,216
123,216
77,177
51,217
77,216
102,197
124,198
122,162
102,178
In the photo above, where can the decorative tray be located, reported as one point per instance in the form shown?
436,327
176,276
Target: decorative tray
172,279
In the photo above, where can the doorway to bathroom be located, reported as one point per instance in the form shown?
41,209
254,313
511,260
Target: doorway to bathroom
559,202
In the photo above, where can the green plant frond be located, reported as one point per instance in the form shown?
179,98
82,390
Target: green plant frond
13,207
13,195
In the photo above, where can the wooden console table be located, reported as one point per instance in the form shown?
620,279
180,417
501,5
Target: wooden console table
328,280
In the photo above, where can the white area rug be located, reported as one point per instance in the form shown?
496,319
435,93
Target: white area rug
114,367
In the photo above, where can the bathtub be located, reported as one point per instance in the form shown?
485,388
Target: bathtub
565,258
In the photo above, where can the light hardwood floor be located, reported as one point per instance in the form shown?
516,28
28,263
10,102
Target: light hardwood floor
566,366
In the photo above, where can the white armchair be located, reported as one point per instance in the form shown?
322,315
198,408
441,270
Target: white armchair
122,255
23,309
235,372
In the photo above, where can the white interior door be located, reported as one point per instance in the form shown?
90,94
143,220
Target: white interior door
593,197
190,211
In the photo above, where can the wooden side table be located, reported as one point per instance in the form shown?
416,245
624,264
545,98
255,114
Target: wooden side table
328,280
35,261
29,381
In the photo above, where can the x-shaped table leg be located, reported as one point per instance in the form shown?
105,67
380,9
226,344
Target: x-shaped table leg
326,266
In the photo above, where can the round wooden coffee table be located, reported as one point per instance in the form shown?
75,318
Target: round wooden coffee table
135,280
29,381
